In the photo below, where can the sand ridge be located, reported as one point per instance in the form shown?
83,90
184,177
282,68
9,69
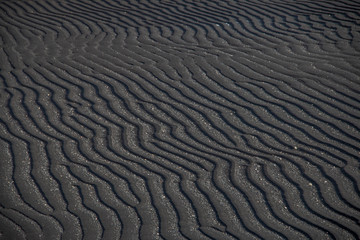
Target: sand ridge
179,119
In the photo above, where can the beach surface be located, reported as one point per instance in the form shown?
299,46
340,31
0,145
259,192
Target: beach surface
179,119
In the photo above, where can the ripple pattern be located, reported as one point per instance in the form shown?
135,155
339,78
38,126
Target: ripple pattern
156,119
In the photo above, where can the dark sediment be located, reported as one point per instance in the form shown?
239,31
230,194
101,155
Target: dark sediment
179,119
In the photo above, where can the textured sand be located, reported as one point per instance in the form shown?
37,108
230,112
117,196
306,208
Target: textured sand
179,119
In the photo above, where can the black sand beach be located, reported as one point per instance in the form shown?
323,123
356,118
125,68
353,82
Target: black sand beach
179,119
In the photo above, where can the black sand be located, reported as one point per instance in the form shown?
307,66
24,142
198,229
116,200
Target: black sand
179,119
